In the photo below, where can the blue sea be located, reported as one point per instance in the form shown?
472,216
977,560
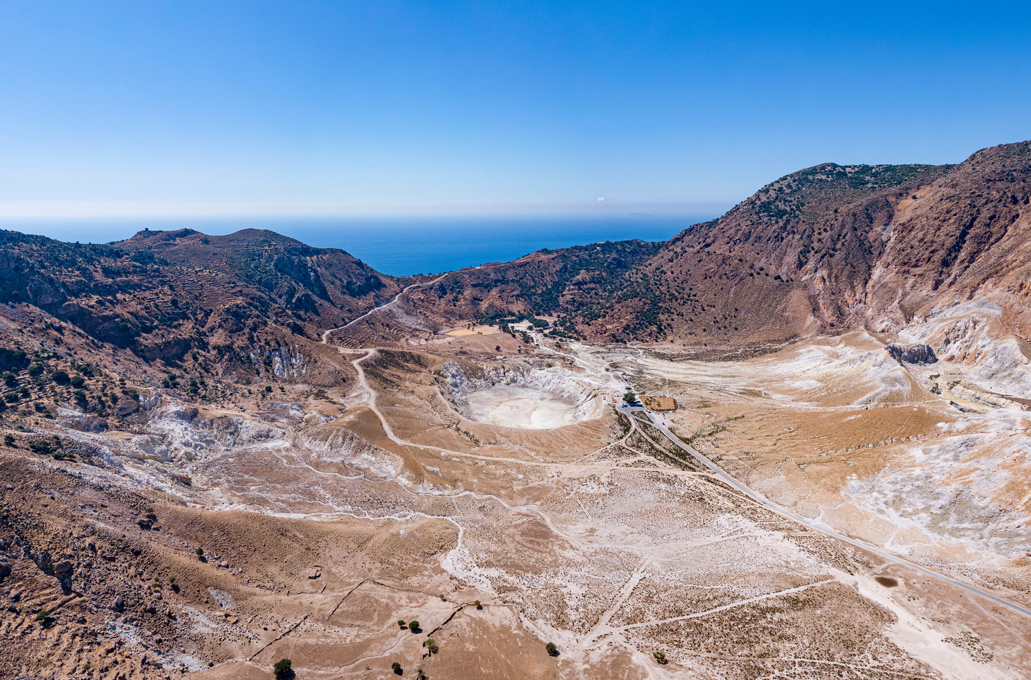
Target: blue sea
400,246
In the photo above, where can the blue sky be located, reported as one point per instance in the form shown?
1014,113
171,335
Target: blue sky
386,108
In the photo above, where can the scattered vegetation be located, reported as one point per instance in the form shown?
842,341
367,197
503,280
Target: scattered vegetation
283,668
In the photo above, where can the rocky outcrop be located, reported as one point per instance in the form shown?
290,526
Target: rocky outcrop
912,354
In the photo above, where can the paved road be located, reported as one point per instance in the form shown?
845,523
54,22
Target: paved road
655,421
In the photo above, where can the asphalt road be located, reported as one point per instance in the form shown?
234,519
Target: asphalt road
656,422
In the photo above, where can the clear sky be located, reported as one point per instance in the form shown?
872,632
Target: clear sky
379,107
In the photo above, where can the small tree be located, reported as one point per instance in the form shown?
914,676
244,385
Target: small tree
200,552
9,440
413,626
43,616
283,668
551,649
401,623
396,667
431,645
478,605
629,397
41,446
659,657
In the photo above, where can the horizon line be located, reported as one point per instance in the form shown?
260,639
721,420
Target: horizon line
23,212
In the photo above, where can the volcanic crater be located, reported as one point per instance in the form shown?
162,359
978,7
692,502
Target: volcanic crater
521,397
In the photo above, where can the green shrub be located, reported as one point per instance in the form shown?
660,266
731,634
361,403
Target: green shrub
283,668
41,446
60,377
551,649
77,381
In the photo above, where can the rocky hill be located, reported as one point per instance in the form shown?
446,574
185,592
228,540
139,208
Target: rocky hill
823,250
544,282
162,294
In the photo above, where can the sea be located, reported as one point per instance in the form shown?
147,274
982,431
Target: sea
399,246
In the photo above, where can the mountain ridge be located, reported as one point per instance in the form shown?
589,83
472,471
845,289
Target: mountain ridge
822,250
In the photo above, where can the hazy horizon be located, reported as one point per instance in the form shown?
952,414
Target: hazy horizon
398,246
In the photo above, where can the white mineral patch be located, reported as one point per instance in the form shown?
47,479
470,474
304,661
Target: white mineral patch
533,400
512,406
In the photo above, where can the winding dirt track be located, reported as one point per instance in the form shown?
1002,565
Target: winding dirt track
325,335
603,629
657,424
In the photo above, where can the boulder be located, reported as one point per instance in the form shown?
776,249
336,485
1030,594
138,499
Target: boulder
912,354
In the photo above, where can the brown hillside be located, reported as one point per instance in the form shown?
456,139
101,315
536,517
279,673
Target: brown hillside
161,294
822,250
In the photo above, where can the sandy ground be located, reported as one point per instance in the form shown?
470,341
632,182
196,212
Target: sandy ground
475,330
589,531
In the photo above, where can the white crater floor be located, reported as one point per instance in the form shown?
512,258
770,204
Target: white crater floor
523,407
538,399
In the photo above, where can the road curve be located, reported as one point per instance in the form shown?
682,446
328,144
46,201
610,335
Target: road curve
326,334
654,421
